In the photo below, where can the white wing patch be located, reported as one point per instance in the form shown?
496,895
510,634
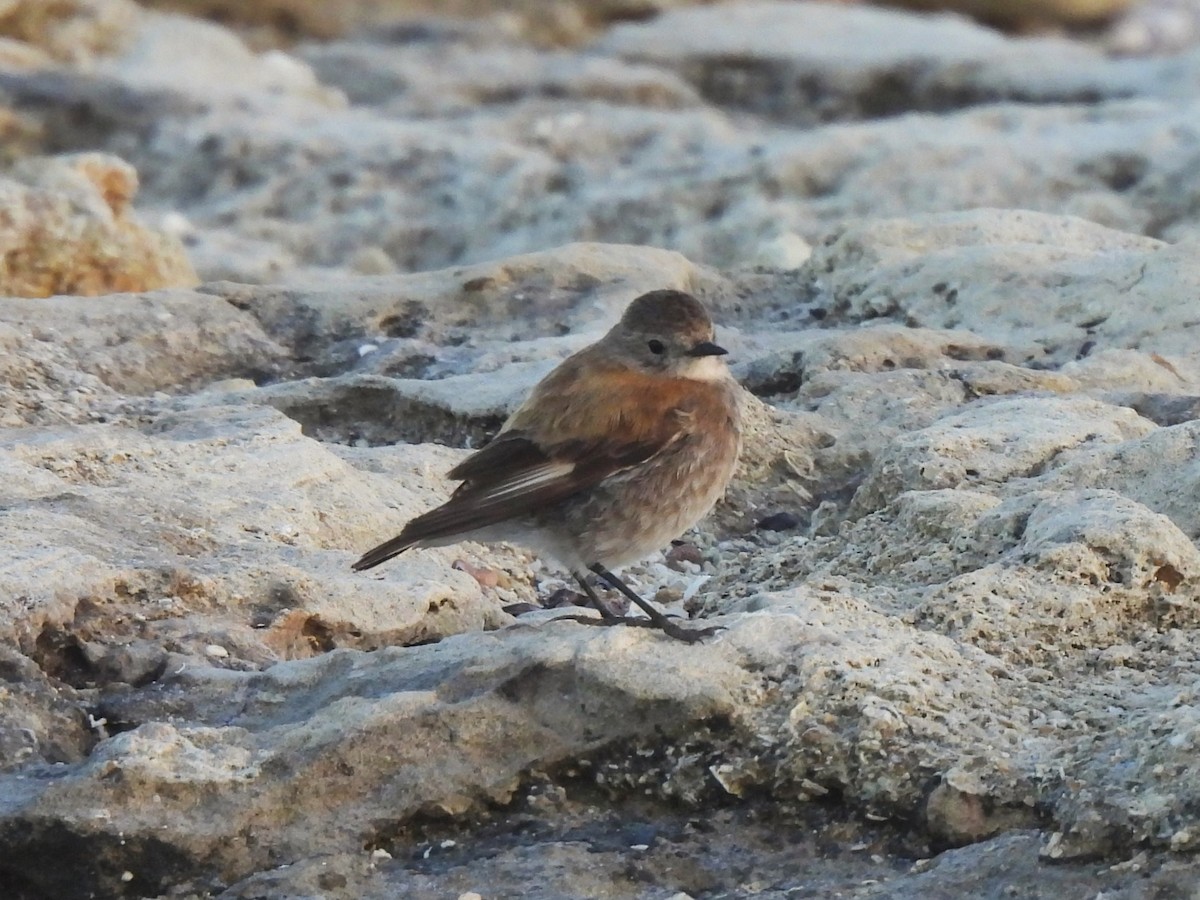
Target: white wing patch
526,482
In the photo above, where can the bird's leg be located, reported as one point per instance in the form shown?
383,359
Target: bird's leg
607,616
614,582
605,612
657,619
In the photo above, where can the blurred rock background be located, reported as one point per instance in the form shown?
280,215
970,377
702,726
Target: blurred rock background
268,270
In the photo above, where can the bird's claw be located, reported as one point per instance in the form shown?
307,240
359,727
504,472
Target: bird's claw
669,628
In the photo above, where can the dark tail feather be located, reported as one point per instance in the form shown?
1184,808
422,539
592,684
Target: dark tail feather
384,551
445,521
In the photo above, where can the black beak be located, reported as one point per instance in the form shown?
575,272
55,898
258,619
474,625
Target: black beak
707,348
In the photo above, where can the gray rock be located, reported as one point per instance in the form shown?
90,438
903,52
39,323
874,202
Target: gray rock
172,560
982,634
489,304
137,343
362,740
815,62
98,525
457,76
993,443
502,165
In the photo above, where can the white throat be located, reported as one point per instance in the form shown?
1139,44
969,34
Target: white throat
706,368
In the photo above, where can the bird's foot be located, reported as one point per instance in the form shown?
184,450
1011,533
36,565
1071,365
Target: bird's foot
654,617
687,635
665,625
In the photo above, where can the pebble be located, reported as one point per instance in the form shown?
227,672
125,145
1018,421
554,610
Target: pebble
487,578
780,521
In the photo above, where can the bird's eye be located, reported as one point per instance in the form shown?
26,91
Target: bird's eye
657,347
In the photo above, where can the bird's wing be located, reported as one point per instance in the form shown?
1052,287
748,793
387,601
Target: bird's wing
570,435
514,476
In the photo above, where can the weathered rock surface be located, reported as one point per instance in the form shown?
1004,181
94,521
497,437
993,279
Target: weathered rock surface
536,20
1164,26
1024,14
957,571
798,63
461,146
74,31
67,229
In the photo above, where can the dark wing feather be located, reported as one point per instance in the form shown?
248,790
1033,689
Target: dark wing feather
509,451
508,478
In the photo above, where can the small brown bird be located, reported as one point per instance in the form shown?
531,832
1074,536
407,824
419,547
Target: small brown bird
619,450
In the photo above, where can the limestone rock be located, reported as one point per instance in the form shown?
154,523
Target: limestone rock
538,20
500,165
71,30
440,77
118,536
181,55
955,276
814,62
1021,437
133,343
1027,15
68,229
524,297
186,565
372,750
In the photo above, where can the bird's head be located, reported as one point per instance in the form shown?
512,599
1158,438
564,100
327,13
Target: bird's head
668,332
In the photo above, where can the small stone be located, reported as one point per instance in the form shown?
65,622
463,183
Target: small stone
566,597
372,261
780,521
1053,846
487,578
1135,864
176,224
668,595
684,552
784,251
957,816
216,651
520,609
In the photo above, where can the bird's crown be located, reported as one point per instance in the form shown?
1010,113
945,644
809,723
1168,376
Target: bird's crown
666,311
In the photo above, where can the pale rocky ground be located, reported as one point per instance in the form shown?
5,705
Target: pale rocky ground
958,570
